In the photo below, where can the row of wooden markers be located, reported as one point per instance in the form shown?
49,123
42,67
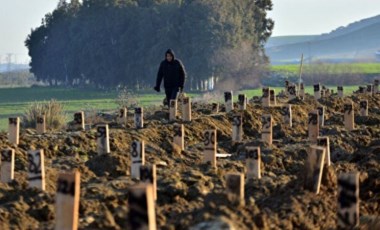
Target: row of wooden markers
142,196
68,185
348,183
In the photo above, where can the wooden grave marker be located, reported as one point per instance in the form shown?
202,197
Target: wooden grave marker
317,91
349,122
141,205
137,158
122,117
369,89
323,93
14,130
314,168
172,110
186,109
364,108
102,139
272,95
179,135
229,104
348,200
376,86
267,124
235,188
41,124
325,142
209,151
7,165
292,92
36,169
327,92
215,108
287,115
139,118
79,121
302,91
148,174
340,91
313,126
286,88
321,116
362,89
266,99
242,101
67,201
253,162
237,128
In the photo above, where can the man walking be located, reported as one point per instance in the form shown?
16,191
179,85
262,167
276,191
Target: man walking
173,73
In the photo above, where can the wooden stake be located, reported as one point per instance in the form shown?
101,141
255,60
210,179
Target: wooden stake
67,201
7,165
235,187
36,169
370,89
325,142
148,175
286,88
186,109
321,115
141,207
173,110
137,158
228,101
340,91
292,91
313,126
376,86
179,135
287,115
348,200
349,122
215,108
14,130
272,93
317,91
79,120
122,118
253,162
237,128
266,133
41,124
242,102
210,147
102,139
314,168
302,91
139,118
265,99
364,108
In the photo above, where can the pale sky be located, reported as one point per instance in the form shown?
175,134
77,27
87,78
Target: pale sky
292,17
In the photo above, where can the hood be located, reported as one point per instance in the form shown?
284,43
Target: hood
170,51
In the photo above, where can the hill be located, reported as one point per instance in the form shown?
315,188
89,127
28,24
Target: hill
359,41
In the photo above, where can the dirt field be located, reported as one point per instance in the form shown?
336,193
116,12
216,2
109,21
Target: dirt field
191,193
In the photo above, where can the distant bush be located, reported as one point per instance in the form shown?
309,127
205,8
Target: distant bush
126,98
53,111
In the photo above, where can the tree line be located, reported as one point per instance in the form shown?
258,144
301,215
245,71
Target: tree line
109,43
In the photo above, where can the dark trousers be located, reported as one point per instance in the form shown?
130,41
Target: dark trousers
171,94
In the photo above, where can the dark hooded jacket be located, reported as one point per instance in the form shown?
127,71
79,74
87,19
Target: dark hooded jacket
172,72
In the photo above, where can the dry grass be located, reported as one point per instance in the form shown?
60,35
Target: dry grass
53,111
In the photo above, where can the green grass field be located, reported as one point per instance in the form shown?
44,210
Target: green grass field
363,68
13,102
